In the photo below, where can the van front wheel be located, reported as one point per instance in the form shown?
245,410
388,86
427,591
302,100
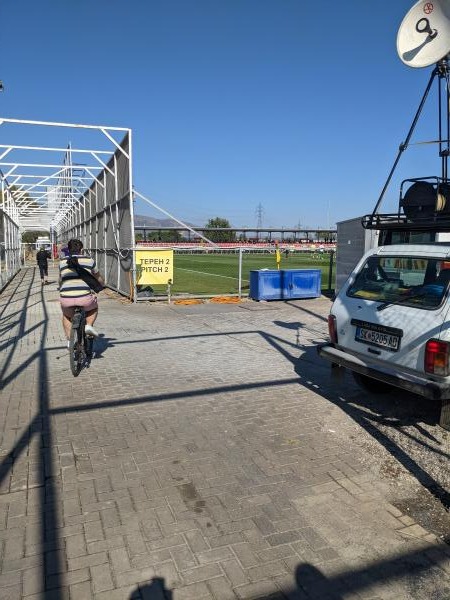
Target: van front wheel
372,385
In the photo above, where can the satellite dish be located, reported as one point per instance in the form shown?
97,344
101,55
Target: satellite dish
423,38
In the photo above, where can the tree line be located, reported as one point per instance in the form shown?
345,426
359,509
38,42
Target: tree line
175,236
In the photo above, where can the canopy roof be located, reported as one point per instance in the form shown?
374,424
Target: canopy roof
43,174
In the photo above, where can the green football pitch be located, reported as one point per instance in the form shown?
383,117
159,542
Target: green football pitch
215,274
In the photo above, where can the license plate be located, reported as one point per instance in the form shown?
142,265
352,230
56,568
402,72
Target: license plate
378,338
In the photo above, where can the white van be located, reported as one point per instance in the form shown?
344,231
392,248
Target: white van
390,321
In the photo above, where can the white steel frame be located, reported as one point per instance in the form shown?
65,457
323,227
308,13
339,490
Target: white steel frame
52,196
27,202
9,249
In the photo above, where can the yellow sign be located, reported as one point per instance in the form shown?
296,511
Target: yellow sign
154,267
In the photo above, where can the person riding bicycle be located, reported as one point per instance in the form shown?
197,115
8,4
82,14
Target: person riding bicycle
73,289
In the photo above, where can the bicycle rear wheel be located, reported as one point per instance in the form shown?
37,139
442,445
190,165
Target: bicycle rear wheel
76,349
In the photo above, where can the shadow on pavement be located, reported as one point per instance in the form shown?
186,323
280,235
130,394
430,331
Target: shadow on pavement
307,311
371,411
155,590
310,583
12,342
288,324
102,343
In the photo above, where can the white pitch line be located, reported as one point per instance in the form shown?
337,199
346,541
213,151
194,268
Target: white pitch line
212,274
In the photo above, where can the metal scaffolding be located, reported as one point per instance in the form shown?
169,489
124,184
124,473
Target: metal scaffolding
9,248
81,190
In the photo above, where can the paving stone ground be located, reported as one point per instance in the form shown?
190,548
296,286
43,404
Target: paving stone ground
197,458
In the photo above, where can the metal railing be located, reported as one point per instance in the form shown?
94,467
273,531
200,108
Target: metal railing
200,272
10,249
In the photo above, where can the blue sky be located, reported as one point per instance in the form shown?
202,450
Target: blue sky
297,106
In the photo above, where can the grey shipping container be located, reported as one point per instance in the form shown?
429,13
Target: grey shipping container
353,241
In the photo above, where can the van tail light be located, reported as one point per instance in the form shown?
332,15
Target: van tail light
332,329
437,355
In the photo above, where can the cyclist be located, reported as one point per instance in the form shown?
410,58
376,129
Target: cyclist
74,291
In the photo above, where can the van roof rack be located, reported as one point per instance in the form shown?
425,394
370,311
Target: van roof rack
401,222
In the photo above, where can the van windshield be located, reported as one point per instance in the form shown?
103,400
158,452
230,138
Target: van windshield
418,282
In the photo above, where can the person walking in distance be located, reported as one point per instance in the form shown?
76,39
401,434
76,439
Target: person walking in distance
74,290
42,257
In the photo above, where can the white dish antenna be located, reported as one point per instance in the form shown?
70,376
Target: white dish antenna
424,35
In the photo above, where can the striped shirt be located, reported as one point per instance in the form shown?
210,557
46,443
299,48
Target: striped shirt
71,285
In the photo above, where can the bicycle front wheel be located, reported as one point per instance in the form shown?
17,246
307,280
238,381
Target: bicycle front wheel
76,350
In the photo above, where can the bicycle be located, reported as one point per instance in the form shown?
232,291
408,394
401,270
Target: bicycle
80,344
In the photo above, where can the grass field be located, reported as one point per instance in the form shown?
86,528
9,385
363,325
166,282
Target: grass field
216,274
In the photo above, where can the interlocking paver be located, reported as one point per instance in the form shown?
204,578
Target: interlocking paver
235,573
90,560
214,555
196,541
81,591
70,578
75,546
135,576
195,455
11,593
221,589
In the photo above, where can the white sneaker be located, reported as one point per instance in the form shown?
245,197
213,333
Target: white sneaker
90,330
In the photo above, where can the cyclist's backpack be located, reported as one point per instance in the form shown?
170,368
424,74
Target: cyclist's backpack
93,283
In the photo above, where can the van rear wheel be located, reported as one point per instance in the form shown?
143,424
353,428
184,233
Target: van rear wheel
372,385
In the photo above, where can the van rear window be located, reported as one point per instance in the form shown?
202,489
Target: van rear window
418,282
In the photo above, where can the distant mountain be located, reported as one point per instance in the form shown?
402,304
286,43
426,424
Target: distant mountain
145,221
